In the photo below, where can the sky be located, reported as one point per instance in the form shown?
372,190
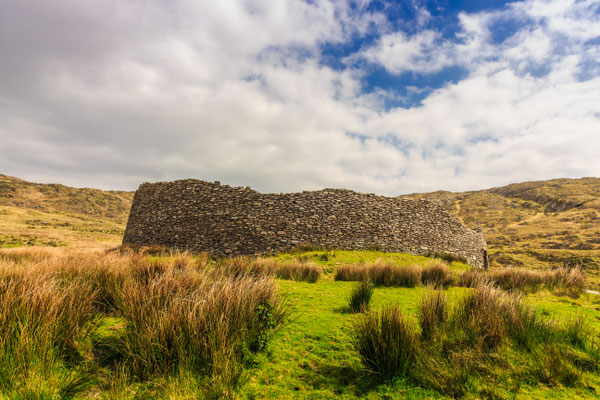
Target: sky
385,97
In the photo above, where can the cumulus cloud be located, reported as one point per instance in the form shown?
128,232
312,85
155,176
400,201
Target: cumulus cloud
111,94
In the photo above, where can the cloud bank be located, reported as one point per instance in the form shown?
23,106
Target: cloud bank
111,94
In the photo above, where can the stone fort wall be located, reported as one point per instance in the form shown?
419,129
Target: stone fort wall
222,220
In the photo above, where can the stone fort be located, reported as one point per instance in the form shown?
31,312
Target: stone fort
200,216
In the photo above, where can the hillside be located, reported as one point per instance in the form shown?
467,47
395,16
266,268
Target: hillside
537,224
57,215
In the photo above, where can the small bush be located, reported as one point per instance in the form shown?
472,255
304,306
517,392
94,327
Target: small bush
432,313
360,297
437,274
386,342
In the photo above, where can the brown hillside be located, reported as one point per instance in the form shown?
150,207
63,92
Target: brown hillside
539,224
55,215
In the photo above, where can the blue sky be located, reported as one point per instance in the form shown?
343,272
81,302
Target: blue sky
288,95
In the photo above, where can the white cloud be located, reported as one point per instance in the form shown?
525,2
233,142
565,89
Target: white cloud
111,94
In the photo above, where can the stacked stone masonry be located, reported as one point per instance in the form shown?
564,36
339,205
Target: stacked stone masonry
200,216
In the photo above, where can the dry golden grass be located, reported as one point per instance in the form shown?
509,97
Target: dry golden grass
380,273
297,271
176,313
563,281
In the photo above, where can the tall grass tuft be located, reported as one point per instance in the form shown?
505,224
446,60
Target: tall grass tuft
297,271
436,273
569,281
432,313
360,297
42,319
381,273
578,331
176,313
386,342
198,320
478,315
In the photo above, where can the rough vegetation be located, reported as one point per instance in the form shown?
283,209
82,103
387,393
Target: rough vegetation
539,225
78,321
33,214
160,324
486,329
63,316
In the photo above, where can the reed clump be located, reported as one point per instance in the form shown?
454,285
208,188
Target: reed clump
563,280
360,297
436,273
381,273
173,314
297,271
451,347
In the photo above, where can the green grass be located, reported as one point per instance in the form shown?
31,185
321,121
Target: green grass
313,358
330,259
312,355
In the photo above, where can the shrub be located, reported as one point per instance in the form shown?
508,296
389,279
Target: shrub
433,312
360,297
437,274
386,342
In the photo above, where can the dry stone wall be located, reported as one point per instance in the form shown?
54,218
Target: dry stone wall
207,216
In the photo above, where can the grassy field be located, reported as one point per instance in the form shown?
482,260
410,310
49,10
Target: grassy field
132,338
54,243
